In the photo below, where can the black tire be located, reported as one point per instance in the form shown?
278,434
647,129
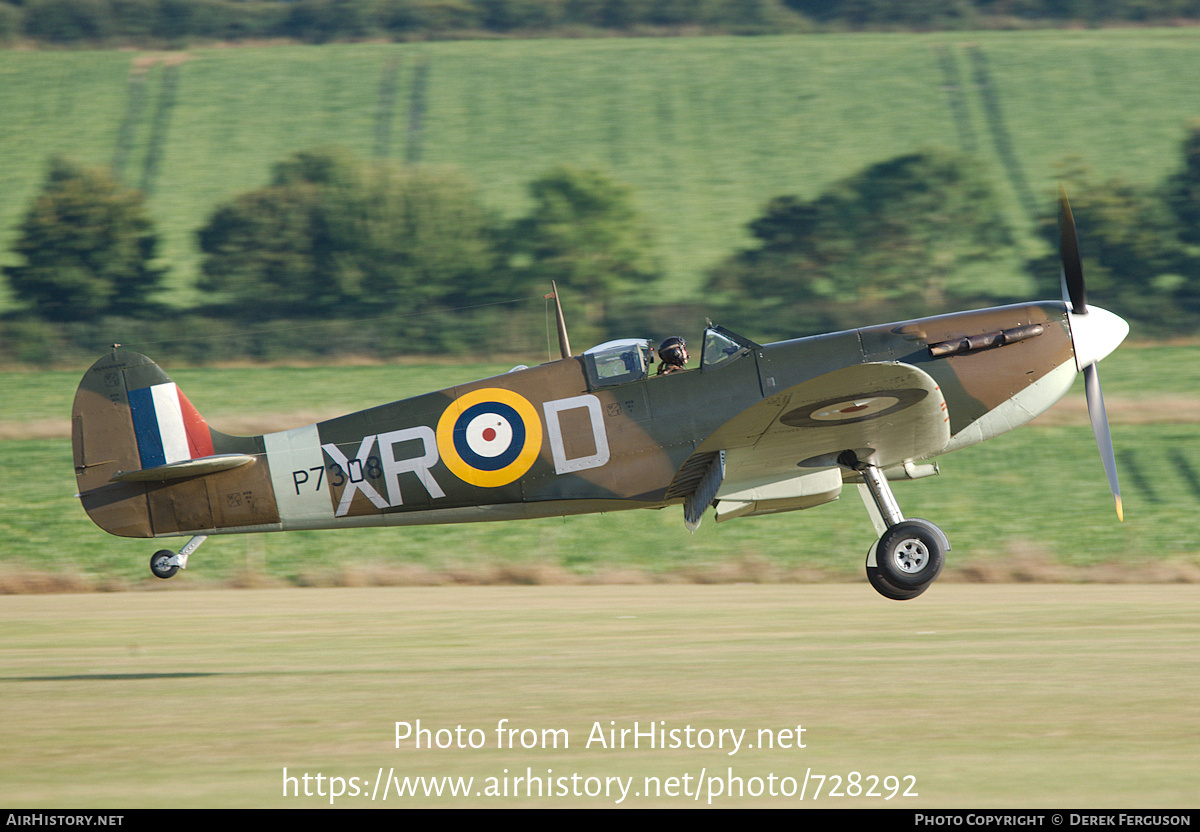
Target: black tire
158,564
887,590
910,555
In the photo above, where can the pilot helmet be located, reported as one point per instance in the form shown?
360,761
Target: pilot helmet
673,350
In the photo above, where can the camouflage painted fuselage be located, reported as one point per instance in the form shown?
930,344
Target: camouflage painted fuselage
562,438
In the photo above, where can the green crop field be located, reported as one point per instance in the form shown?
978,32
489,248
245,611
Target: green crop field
705,129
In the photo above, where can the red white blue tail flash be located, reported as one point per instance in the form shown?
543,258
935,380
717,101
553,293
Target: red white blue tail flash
168,428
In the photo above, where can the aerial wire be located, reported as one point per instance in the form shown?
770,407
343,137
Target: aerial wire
293,327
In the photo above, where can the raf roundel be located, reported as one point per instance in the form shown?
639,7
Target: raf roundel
489,437
852,411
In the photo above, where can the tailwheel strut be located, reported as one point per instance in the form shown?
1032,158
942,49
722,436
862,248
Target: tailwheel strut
164,563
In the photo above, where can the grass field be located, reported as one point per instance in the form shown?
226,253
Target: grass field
998,696
1030,505
705,129
1052,520
1002,695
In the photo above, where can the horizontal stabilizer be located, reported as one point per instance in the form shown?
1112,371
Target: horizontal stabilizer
186,468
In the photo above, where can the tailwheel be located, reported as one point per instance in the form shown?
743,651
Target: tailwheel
161,565
165,563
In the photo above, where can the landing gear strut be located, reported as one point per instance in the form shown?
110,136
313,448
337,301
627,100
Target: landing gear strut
910,553
164,563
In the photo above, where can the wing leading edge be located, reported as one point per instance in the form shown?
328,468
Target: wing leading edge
781,454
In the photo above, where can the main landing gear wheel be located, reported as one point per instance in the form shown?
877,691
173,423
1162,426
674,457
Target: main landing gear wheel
887,590
160,564
910,555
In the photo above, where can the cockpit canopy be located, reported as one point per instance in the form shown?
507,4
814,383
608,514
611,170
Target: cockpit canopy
722,346
629,359
616,362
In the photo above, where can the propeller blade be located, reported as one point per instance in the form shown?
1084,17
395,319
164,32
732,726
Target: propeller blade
1072,264
1095,402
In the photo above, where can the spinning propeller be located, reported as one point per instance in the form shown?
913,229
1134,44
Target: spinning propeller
1095,333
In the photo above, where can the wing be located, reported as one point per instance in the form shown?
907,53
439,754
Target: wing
781,454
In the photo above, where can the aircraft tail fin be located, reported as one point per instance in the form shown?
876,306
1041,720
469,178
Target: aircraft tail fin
129,419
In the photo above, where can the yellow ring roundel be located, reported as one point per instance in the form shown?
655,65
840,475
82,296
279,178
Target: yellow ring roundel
489,437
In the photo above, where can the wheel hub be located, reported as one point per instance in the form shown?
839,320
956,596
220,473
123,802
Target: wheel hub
911,555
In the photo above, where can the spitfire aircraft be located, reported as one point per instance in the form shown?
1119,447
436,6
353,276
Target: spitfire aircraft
753,430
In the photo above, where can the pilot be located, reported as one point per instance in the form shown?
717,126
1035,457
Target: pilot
672,352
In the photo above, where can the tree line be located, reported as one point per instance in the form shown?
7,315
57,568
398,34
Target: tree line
920,234
329,238
170,22
332,241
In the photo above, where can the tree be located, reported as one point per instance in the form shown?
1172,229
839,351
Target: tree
915,229
1129,242
585,234
428,239
264,251
68,21
1183,188
332,235
88,247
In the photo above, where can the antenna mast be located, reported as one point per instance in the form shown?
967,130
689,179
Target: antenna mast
564,343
